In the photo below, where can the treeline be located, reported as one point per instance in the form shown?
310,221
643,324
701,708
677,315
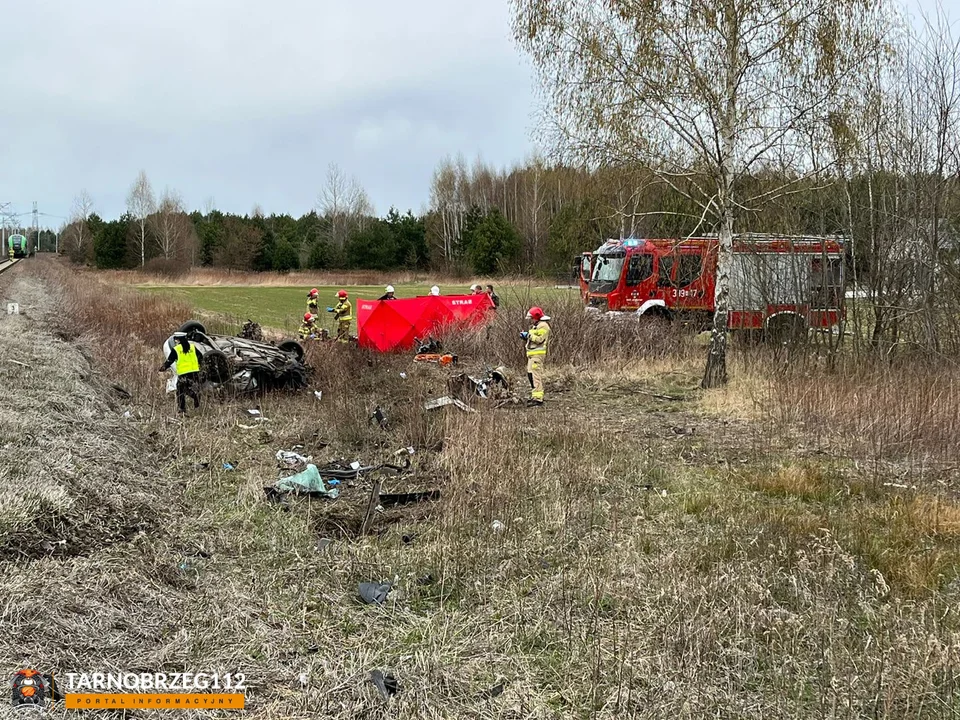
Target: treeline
531,219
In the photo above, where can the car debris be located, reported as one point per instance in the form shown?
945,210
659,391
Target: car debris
373,593
380,417
251,331
307,482
388,500
490,384
243,365
291,458
386,683
447,400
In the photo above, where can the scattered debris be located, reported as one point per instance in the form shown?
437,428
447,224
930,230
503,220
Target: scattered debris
251,331
491,384
493,692
425,579
255,413
386,683
682,430
442,360
306,482
407,539
403,376
380,417
498,526
447,400
318,394
323,544
407,498
17,362
374,593
900,486
228,466
292,459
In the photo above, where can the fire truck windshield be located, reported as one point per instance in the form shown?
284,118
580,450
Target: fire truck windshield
606,268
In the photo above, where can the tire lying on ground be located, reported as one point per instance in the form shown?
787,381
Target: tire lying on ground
192,326
215,366
292,346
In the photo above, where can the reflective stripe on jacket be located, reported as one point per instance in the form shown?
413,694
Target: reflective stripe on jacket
343,311
537,339
187,361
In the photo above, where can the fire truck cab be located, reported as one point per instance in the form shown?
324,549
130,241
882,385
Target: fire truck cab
774,281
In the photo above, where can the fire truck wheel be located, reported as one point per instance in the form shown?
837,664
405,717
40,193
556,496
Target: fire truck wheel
785,329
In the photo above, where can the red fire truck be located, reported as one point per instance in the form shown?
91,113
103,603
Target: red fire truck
776,283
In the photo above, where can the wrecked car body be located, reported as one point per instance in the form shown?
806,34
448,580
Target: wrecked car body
241,365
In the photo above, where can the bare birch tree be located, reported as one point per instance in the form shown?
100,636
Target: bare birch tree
701,91
345,202
171,226
141,204
79,215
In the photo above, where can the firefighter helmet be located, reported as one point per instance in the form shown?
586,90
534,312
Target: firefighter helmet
389,288
342,294
535,314
313,293
307,317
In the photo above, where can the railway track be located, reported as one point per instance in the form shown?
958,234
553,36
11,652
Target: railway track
7,264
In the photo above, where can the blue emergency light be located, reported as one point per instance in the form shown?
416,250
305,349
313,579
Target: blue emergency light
632,242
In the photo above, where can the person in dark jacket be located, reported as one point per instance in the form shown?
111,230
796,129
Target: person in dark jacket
388,295
187,358
493,296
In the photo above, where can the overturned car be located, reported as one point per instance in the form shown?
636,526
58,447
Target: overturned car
242,365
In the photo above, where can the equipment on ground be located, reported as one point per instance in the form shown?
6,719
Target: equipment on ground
778,284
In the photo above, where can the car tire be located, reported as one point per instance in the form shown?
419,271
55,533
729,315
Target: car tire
216,368
292,346
191,327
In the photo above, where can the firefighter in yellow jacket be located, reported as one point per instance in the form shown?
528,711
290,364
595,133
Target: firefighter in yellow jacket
343,314
536,344
312,301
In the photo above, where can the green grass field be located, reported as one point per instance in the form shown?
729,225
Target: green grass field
283,307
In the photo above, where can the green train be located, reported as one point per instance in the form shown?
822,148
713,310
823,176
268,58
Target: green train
17,245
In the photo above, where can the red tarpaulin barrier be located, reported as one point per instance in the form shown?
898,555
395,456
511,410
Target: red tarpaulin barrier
387,325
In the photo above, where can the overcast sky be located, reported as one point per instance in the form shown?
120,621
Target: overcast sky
248,101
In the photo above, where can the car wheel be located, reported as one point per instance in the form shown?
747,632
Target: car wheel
215,366
191,327
292,346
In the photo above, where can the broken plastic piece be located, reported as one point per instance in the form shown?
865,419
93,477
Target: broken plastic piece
447,400
374,593
386,683
308,481
410,497
318,394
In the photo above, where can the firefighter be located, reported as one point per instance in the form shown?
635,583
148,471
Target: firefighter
188,359
343,314
312,307
536,344
308,327
388,295
10,249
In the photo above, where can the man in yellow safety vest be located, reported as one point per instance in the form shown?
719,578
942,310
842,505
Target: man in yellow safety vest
188,360
343,314
536,345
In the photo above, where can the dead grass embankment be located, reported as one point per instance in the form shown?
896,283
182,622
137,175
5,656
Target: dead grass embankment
593,559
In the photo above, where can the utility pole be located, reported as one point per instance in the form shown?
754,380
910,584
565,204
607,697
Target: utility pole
36,229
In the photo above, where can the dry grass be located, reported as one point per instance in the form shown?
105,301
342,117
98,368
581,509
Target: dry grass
215,277
632,572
